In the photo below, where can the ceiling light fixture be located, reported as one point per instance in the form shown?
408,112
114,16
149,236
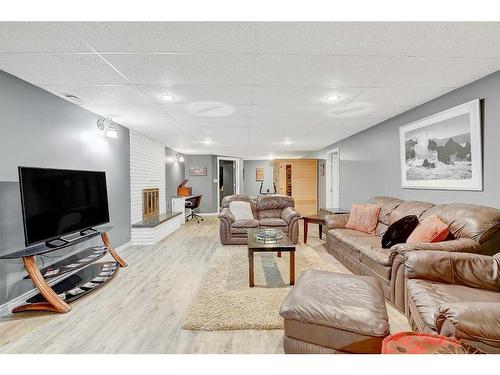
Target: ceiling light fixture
287,142
333,98
179,157
109,127
168,97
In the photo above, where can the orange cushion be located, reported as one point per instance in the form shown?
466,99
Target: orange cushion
432,229
363,217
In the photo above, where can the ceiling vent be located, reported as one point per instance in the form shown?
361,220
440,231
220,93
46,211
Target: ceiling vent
73,99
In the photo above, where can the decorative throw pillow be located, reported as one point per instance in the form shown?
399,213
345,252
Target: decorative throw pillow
399,231
241,210
432,229
363,217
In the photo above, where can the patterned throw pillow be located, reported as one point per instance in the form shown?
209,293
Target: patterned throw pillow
363,217
432,229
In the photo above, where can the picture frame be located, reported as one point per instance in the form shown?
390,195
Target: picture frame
259,174
444,150
201,171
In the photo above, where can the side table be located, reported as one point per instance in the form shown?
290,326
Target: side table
320,219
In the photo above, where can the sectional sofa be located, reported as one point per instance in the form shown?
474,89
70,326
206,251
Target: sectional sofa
473,229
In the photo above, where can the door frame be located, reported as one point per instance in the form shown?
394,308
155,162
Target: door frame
237,170
332,192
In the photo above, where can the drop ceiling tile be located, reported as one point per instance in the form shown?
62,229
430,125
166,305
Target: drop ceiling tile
464,39
39,37
309,70
212,37
124,104
206,110
344,38
437,72
231,94
302,95
403,96
197,69
58,69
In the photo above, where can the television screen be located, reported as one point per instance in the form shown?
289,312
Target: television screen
57,202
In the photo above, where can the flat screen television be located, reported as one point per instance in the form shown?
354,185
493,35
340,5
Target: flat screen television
58,202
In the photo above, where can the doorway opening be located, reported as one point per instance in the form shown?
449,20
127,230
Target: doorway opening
333,178
227,178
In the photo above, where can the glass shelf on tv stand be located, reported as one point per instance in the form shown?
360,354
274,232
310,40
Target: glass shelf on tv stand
73,262
53,297
41,249
81,283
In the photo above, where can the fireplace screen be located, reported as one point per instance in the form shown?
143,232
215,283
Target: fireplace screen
150,203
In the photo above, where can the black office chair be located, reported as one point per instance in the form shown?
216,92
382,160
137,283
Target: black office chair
193,203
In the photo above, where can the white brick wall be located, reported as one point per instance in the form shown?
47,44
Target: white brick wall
147,170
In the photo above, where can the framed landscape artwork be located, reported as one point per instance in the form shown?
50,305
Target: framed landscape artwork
443,151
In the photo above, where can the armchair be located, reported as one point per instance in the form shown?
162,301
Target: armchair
455,294
269,211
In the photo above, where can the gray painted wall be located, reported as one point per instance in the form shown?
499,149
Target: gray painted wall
203,184
252,187
40,129
369,161
174,174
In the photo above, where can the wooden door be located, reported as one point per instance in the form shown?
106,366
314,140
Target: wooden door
304,183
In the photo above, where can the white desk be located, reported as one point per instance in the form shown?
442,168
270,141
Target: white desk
179,205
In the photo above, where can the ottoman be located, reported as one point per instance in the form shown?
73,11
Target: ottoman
330,312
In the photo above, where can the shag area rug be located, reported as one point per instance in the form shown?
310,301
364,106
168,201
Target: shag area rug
226,302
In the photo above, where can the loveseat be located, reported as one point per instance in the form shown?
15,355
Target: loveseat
473,229
269,211
455,294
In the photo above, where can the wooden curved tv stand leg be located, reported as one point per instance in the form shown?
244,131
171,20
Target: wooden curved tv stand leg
54,303
114,254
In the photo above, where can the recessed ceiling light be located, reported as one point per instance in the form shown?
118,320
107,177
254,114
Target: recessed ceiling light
168,97
207,141
287,142
333,98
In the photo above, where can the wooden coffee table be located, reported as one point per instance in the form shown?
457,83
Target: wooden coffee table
282,245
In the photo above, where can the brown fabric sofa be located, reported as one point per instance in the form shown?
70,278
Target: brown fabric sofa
473,229
269,211
455,294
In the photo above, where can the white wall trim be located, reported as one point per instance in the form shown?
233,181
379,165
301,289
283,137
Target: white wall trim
237,178
332,192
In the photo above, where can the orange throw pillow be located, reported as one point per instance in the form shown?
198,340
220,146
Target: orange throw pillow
363,217
432,229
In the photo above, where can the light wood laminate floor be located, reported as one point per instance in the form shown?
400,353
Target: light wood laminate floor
143,308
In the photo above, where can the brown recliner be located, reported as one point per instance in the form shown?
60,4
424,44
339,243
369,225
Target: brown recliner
455,294
474,229
269,211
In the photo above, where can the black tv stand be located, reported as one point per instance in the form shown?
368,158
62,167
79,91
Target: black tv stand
90,276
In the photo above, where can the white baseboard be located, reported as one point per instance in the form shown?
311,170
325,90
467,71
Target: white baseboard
7,307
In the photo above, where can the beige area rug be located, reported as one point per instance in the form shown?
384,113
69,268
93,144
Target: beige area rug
226,302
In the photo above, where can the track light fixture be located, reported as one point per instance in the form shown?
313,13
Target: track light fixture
107,125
